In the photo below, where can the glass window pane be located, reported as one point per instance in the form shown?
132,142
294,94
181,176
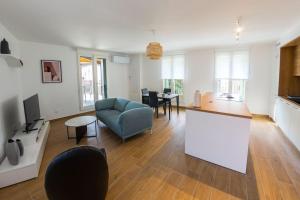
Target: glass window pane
86,66
238,89
178,86
100,78
222,86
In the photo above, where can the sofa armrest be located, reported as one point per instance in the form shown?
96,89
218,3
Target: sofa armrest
135,120
105,104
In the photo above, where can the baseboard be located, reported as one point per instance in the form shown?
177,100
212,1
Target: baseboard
262,116
181,107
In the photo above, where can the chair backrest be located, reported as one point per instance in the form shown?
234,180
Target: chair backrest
144,91
167,90
78,173
145,99
153,99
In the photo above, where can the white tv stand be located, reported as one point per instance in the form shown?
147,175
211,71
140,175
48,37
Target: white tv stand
30,162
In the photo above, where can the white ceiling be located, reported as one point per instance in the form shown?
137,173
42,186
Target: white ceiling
122,25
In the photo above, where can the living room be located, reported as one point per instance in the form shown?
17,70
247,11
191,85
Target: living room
233,67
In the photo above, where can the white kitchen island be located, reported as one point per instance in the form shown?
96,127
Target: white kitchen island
218,131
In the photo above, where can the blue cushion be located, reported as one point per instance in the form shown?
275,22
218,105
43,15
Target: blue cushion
110,118
105,104
120,104
132,105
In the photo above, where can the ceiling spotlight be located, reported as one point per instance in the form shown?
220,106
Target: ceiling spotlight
238,29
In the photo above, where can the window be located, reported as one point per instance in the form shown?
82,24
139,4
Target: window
172,73
231,73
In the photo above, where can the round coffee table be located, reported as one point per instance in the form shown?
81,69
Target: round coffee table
80,124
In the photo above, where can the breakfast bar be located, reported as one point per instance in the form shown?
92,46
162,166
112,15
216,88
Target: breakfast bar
218,131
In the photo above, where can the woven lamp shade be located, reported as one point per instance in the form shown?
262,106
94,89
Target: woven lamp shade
154,50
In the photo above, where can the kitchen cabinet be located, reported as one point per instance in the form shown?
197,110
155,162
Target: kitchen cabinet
287,117
294,131
297,61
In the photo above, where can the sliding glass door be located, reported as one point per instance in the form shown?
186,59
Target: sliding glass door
92,79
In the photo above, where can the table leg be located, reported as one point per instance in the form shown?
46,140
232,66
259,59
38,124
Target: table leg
96,131
169,111
80,132
68,132
177,102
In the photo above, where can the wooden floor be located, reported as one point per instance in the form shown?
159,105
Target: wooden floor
155,166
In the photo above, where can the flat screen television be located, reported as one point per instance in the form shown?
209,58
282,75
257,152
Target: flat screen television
32,112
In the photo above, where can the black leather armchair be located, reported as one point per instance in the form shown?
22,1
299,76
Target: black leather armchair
77,174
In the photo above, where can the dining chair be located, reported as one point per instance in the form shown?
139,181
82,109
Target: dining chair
145,97
168,91
155,103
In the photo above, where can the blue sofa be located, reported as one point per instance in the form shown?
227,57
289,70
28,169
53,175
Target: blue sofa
125,118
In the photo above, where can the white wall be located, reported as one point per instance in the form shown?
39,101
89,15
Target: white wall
135,82
56,99
258,89
151,74
62,99
199,75
11,110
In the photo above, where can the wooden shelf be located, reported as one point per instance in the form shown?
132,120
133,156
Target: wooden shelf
11,60
289,80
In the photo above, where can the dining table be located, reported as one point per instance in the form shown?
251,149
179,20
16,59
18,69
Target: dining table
167,97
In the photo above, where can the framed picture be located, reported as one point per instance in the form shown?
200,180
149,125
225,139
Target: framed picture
51,71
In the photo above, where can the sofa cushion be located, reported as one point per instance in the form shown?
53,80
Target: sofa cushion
105,104
120,104
110,118
133,104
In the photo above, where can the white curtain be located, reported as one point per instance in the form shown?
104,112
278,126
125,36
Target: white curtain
240,65
222,65
166,68
172,67
232,65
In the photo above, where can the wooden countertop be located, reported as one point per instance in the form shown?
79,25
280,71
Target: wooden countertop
290,101
210,104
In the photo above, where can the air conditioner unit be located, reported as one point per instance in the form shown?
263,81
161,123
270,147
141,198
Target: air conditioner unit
120,59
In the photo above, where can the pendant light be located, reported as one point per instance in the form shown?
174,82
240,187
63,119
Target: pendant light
154,50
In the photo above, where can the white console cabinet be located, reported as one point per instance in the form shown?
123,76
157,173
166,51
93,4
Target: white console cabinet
30,162
287,117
